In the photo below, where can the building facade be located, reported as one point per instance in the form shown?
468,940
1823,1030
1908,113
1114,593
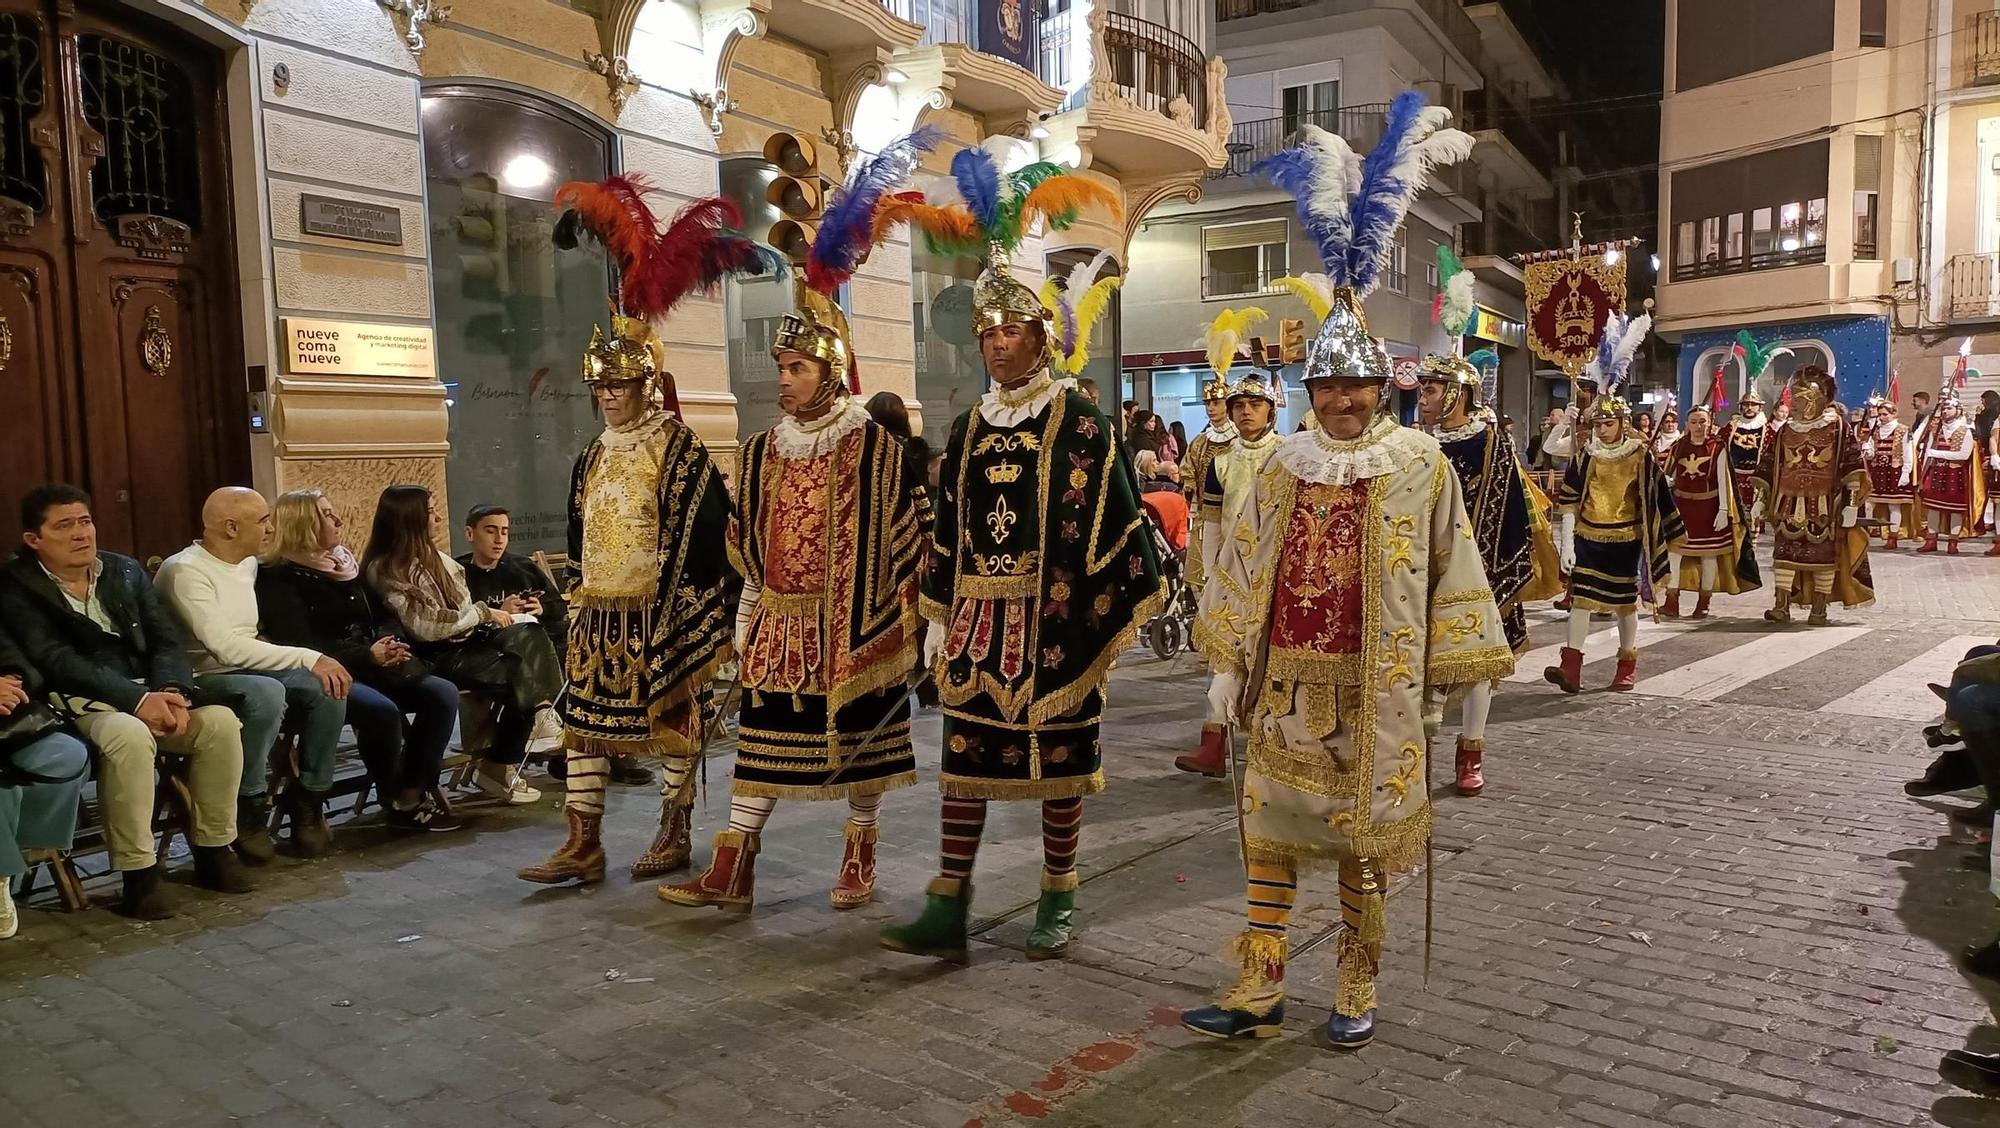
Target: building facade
307,242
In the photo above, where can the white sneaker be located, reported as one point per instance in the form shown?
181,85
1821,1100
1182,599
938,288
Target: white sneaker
547,733
509,787
10,921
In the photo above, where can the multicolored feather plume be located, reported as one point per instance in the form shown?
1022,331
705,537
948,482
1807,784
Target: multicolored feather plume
1454,306
847,227
995,207
1755,359
1079,303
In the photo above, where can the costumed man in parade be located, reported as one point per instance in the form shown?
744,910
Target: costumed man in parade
827,539
651,599
1750,428
1041,565
1356,599
1618,517
1810,487
1497,499
1885,451
1214,439
1949,477
1253,404
1714,552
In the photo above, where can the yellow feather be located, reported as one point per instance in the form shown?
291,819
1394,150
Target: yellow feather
1089,311
1305,291
1228,333
1048,294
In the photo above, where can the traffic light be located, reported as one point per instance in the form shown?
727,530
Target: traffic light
1291,341
798,191
1263,352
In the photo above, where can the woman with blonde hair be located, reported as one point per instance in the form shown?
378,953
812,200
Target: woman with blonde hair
505,658
309,593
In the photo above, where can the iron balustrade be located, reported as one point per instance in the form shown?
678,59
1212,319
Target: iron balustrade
1151,65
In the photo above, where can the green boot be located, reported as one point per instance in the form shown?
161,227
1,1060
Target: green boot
1055,917
938,931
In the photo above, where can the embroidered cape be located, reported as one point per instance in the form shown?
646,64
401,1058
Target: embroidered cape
1498,500
1655,526
1704,486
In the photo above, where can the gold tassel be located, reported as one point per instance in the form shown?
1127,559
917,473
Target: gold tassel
1355,996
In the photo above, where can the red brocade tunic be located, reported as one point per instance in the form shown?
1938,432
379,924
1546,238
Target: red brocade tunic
1316,607
1882,452
1947,485
1700,474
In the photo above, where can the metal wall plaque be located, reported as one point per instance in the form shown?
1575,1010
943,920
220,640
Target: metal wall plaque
351,219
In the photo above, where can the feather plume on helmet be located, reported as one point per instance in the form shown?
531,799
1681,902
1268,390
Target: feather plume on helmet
994,212
1226,340
658,266
847,232
1351,207
1613,362
1078,303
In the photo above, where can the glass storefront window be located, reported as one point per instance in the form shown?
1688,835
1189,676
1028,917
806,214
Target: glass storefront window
753,306
950,376
513,313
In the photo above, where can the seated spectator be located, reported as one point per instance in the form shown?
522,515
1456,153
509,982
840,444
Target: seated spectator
212,585
41,777
1156,473
310,594
106,644
475,646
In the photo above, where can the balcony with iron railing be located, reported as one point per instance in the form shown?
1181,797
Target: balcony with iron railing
1252,141
1447,15
1982,48
1149,65
1144,97
1972,281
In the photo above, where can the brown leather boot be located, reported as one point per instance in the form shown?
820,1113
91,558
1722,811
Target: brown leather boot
1569,675
1627,674
1212,758
1701,605
729,882
1780,610
672,849
1672,607
856,884
579,858
1818,616
1471,766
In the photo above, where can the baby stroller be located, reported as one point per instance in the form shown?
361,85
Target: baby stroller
1172,630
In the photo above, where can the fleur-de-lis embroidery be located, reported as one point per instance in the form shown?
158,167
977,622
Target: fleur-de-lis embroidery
1396,663
1000,522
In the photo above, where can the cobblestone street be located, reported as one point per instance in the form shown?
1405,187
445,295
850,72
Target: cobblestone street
1704,904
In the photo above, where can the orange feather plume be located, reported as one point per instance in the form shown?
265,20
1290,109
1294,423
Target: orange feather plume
1060,199
616,210
951,225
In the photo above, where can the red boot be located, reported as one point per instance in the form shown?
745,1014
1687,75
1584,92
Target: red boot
1672,608
856,885
729,882
1889,537
1627,674
1471,766
1212,758
1930,542
1951,547
1569,675
1994,549
1701,605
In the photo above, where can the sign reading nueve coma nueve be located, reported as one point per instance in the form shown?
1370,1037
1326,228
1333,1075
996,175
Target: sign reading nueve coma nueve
357,348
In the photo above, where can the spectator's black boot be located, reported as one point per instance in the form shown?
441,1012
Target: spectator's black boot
306,811
1953,770
253,830
216,867
143,898
1977,1073
1983,959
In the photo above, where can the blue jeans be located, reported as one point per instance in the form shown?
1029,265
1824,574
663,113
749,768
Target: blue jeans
270,699
404,754
42,816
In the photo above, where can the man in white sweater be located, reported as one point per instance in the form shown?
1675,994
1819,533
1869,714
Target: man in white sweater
212,585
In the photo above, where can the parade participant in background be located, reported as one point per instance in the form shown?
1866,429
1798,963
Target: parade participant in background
1213,440
1497,498
1041,565
1618,517
1748,430
1354,601
1714,550
1949,477
1253,404
826,539
1884,449
1669,431
651,600
1983,442
1810,486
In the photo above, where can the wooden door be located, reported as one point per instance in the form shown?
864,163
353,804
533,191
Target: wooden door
131,309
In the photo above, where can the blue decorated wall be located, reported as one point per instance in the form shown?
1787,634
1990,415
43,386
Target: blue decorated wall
1860,353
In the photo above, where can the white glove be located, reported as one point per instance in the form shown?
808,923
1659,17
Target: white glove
1722,517
1225,698
933,646
1848,516
1566,541
1757,510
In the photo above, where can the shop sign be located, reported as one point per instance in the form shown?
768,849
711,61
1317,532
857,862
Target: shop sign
1489,325
351,219
357,348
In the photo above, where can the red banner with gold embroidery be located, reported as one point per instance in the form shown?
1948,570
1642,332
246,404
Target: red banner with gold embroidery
1569,298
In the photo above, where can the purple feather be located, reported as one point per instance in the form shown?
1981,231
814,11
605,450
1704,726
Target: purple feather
847,227
1069,327
1385,191
978,177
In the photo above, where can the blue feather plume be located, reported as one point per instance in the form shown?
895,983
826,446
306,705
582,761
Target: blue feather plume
1386,188
847,227
978,177
1312,173
1484,359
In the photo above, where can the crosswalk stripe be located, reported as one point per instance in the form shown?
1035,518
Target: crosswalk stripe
1601,644
1903,692
1711,677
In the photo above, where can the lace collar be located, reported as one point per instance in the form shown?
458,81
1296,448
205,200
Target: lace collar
1258,447
1754,423
1385,447
1887,428
1004,407
1623,448
794,439
636,432
1221,436
1827,417
1473,426
1666,439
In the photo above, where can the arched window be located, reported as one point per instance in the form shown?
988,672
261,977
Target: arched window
1735,380
513,313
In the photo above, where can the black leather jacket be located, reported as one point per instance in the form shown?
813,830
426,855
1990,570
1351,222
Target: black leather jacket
76,657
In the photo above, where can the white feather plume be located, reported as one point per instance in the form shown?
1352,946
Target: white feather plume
1456,311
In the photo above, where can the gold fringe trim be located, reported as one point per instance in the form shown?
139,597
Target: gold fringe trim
586,602
938,614
654,746
1223,654
1356,994
1255,946
891,671
975,787
1397,847
1468,667
1065,700
1059,882
819,794
1375,918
